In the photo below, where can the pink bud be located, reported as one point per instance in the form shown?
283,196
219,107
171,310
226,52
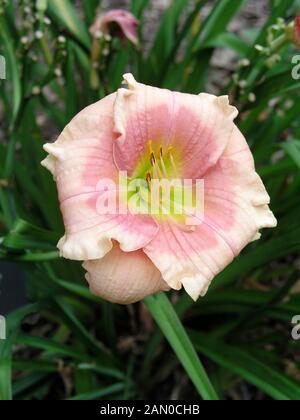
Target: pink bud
297,30
125,22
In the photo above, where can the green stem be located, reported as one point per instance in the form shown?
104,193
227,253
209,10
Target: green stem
46,51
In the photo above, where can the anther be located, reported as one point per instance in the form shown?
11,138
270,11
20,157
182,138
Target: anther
152,159
148,178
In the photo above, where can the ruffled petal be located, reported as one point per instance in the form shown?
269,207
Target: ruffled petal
80,158
236,208
124,278
196,127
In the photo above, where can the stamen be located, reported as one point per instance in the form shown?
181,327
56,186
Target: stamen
160,174
152,159
148,179
173,165
164,169
156,171
150,143
163,173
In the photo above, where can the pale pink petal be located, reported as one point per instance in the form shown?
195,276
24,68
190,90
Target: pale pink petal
78,160
198,127
124,277
236,208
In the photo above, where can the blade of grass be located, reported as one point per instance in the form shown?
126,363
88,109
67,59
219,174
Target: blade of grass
219,18
65,13
265,377
292,147
50,346
33,257
103,392
77,327
168,321
13,69
25,386
12,326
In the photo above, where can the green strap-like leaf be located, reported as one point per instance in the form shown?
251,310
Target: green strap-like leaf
12,327
65,13
100,393
168,321
265,377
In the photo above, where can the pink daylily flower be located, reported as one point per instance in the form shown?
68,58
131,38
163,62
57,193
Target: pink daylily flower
146,130
125,21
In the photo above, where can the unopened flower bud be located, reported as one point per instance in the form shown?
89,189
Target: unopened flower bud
62,39
297,31
39,35
36,90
